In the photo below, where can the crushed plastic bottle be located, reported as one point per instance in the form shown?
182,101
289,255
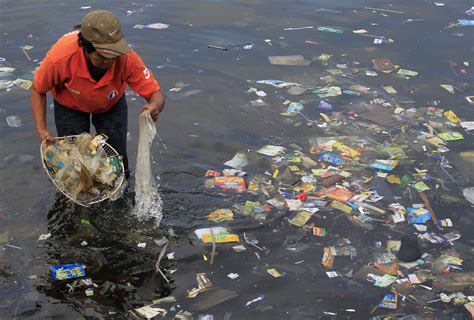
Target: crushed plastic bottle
13,121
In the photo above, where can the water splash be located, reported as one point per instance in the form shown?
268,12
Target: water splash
148,202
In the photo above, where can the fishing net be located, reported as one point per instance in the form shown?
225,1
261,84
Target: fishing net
148,203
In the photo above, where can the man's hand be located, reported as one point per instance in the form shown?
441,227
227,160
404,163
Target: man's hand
154,110
45,135
38,107
155,104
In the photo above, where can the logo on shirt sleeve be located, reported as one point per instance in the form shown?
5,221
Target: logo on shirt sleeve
146,72
112,94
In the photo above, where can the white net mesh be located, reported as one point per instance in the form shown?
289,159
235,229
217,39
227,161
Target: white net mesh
109,189
148,203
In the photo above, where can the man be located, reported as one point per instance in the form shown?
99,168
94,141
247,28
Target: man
87,71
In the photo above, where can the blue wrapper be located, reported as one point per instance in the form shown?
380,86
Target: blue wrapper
287,194
68,271
418,218
389,301
331,158
352,205
351,93
466,23
323,105
294,107
269,81
381,166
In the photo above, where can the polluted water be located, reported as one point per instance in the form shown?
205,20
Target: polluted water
331,181
148,202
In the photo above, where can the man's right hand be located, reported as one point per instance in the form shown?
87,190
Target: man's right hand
45,135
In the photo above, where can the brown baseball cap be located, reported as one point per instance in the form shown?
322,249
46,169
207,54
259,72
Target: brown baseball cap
103,30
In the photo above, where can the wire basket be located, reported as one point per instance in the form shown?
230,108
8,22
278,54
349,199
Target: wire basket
86,199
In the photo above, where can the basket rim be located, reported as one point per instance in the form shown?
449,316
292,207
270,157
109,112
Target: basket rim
113,192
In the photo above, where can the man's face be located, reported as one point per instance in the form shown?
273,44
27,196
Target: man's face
99,61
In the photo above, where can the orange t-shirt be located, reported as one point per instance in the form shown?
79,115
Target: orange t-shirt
64,72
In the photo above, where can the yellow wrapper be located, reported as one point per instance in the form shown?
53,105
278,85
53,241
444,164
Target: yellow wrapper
304,187
341,206
294,168
390,89
275,174
451,116
274,273
301,218
325,117
318,172
348,151
207,238
393,179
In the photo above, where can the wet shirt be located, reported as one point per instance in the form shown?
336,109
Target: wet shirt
65,73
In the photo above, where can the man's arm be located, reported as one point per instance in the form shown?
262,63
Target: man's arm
156,104
38,108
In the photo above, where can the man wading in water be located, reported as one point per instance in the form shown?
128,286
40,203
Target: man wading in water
87,71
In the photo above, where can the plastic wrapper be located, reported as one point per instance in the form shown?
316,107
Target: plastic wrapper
68,271
236,184
104,173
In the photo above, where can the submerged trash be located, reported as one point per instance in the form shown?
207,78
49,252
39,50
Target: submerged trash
409,250
294,60
384,65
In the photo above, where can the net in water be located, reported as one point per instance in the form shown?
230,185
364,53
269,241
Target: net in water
148,203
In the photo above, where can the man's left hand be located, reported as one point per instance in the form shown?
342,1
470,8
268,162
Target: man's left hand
154,110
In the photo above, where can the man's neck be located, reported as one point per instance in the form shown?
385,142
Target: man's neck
96,73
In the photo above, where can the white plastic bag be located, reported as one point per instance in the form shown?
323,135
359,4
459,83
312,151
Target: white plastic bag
143,177
148,203
468,193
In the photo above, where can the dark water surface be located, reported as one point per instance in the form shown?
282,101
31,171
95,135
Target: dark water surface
203,126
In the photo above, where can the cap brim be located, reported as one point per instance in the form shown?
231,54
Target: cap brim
112,50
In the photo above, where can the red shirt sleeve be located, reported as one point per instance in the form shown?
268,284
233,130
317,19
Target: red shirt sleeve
46,76
138,77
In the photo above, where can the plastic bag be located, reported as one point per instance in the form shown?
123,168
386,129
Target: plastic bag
148,203
82,142
144,178
74,177
468,193
105,173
